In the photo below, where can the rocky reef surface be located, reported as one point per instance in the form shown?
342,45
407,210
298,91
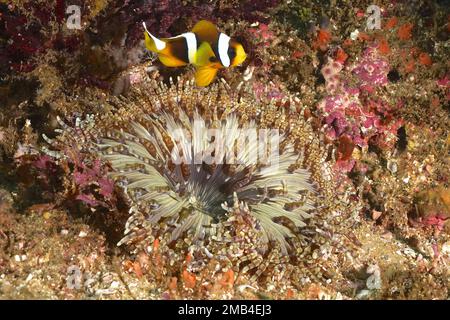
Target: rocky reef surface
360,210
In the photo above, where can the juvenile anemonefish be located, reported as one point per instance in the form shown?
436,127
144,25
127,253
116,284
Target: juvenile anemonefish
205,47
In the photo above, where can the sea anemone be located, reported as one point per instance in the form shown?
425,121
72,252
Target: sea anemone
243,209
157,157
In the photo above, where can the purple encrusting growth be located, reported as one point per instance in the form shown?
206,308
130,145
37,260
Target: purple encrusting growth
86,178
355,111
89,178
372,71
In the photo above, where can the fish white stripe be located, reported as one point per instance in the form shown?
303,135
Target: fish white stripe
223,45
191,41
160,45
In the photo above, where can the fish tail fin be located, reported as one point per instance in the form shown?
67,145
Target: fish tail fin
205,75
151,42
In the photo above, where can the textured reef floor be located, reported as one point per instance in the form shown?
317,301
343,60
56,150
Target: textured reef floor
366,108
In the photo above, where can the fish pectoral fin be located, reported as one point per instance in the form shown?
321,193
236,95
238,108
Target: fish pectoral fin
171,61
206,31
205,75
204,55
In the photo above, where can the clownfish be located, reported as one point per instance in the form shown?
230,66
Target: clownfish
204,47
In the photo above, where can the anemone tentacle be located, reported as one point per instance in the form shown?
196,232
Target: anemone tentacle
156,155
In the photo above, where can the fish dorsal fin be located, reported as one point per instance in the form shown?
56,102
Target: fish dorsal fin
205,55
206,31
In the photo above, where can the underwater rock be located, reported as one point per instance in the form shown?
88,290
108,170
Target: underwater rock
433,208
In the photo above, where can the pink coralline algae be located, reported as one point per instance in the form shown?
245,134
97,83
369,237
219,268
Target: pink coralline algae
444,83
345,114
354,112
437,221
46,166
263,34
330,72
372,71
88,178
43,162
271,91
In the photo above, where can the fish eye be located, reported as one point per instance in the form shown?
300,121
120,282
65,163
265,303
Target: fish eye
213,59
231,53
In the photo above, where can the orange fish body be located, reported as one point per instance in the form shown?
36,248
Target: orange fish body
204,47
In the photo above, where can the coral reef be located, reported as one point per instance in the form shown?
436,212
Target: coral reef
359,208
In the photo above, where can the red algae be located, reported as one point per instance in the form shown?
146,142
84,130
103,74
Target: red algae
348,42
383,47
341,56
425,59
322,39
189,279
405,31
362,36
410,66
391,23
227,279
297,54
345,148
